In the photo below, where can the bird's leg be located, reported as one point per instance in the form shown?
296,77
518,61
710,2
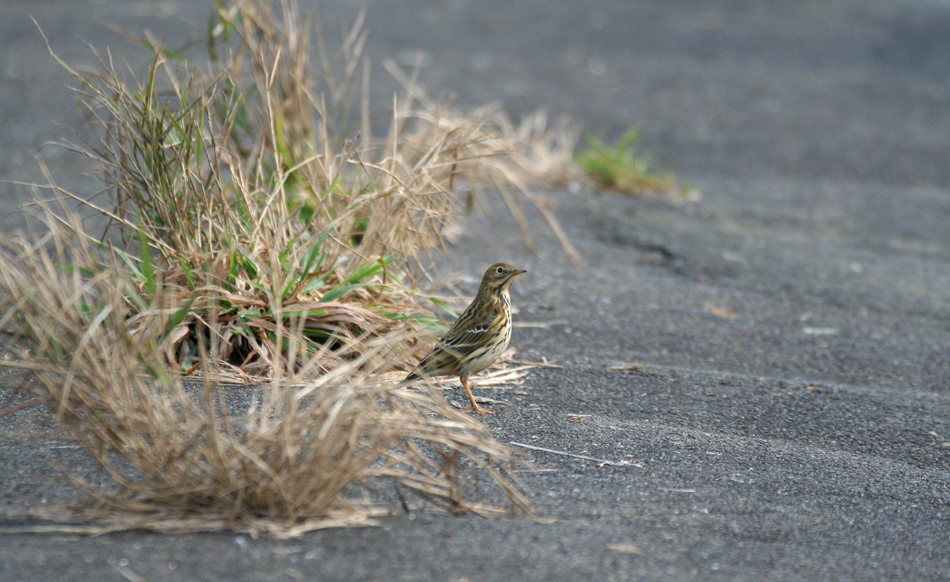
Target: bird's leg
474,408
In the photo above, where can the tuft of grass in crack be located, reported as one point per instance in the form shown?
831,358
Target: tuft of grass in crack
254,182
260,233
618,167
183,458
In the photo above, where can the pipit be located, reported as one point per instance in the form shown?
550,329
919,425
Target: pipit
477,338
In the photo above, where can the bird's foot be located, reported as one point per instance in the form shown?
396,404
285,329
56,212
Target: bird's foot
476,409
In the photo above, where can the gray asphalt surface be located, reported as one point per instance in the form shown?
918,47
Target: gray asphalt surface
793,413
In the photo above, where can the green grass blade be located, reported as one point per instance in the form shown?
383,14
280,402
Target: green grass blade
148,270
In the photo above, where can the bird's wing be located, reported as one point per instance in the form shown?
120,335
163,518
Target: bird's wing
447,354
463,339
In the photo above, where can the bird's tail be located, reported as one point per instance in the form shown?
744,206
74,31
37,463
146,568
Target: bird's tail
408,380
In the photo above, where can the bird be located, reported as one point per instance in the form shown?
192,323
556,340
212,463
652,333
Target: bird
477,338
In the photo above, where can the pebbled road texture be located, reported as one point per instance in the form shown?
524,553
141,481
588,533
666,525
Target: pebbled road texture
792,413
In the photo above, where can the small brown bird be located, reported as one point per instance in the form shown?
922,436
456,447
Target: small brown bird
477,338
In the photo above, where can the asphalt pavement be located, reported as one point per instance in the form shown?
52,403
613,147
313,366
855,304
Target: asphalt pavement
771,360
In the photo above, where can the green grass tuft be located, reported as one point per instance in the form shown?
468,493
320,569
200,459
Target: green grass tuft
618,167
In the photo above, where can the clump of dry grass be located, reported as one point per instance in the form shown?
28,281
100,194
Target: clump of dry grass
259,233
281,461
251,182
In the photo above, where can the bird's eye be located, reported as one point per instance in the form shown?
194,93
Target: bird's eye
500,270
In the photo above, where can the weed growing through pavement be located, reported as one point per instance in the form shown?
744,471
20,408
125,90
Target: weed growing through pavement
278,460
259,234
617,167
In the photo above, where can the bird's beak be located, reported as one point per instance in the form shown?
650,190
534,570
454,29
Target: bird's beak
517,272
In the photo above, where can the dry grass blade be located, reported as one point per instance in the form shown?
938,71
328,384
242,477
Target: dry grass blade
600,462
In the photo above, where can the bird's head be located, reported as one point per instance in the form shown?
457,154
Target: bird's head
498,277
